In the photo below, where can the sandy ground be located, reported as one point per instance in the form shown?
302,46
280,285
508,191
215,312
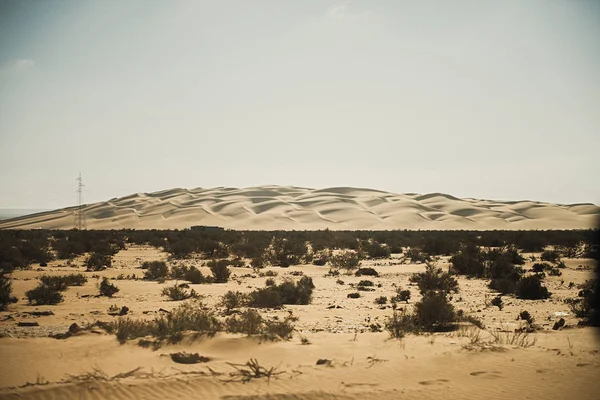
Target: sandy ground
287,208
367,365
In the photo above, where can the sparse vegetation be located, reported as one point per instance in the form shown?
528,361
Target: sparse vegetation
434,279
44,295
232,300
220,270
381,300
6,297
531,288
107,289
189,316
178,293
347,260
287,292
497,302
98,261
155,270
61,282
403,295
354,295
366,272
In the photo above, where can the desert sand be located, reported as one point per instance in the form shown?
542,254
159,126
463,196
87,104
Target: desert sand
294,208
559,364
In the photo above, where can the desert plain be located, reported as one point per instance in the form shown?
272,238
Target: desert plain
359,358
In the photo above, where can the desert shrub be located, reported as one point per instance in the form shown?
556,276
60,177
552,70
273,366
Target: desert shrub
585,306
155,270
220,270
194,276
550,255
287,251
269,273
287,292
541,267
530,288
554,272
366,272
374,249
278,330
44,295
497,302
270,282
321,258
417,256
469,261
232,300
471,319
237,263
514,256
434,279
366,283
248,322
381,300
6,297
434,312
525,316
354,295
346,260
178,293
97,261
340,282
178,271
187,317
107,289
251,323
400,323
403,295
61,282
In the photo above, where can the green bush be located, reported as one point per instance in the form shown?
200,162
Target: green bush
44,295
220,270
155,270
107,289
5,292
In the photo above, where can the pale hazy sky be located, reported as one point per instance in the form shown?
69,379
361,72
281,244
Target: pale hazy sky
486,99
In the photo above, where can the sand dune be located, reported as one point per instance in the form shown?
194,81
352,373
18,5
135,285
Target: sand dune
287,208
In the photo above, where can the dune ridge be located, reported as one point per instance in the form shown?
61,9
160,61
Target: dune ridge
296,208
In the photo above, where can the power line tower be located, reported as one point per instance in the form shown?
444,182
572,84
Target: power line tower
80,223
